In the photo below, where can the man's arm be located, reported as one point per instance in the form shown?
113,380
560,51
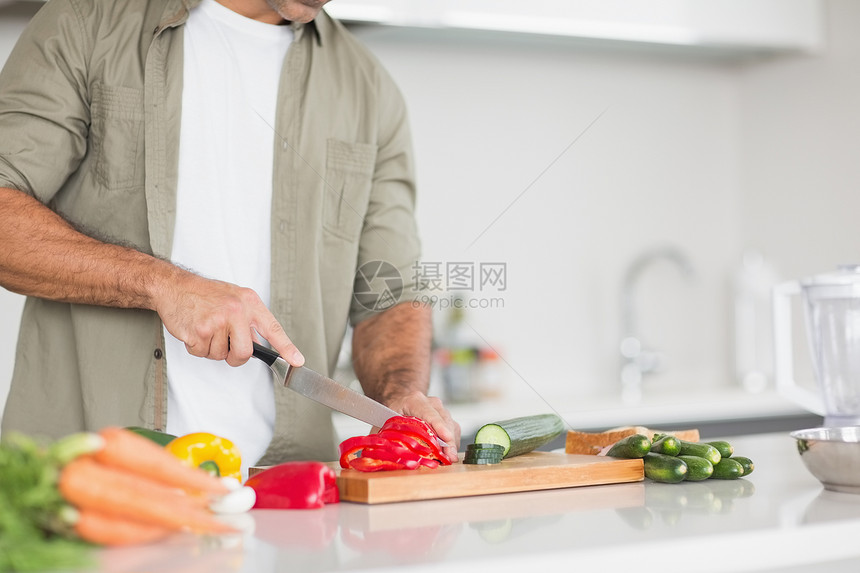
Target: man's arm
391,358
45,257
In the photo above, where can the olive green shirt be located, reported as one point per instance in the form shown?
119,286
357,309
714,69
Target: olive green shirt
90,104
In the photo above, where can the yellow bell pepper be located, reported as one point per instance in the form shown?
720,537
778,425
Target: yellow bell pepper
202,449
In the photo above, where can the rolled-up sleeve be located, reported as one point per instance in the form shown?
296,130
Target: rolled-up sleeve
390,232
44,114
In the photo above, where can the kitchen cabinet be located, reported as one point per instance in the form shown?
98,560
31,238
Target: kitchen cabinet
777,519
728,25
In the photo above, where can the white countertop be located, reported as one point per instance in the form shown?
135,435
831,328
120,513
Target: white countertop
779,517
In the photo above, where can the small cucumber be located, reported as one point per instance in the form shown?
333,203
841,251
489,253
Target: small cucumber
663,468
668,445
728,469
698,469
726,449
635,446
746,463
701,450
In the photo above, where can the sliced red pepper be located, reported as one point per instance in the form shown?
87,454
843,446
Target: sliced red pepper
419,430
394,453
410,423
351,447
422,449
374,465
404,442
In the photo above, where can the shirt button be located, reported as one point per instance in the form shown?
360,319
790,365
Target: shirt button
282,226
284,144
158,353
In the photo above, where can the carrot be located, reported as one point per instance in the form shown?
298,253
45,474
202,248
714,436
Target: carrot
91,486
126,450
104,529
142,485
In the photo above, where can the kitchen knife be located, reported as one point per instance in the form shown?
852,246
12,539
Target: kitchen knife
326,391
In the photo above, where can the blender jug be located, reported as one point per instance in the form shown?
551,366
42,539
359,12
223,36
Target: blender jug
831,305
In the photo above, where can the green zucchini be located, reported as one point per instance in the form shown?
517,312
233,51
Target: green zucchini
746,463
728,469
160,438
668,445
521,435
635,446
663,468
726,449
701,450
698,469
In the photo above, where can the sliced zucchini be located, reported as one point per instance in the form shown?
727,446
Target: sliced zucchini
490,454
482,461
521,435
485,448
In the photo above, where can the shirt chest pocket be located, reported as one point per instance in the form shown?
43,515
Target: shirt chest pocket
116,136
348,182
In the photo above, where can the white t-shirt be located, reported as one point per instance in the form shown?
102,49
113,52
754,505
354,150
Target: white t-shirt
232,69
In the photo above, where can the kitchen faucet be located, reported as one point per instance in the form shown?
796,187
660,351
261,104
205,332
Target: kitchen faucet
637,360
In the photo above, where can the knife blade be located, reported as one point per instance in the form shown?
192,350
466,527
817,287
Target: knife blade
326,391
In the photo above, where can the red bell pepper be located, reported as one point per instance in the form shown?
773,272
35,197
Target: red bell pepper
403,443
295,485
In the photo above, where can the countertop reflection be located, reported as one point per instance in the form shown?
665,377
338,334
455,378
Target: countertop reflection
779,516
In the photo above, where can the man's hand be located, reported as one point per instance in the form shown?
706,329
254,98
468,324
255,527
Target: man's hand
431,410
391,358
219,320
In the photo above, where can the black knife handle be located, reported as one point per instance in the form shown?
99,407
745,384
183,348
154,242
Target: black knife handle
265,354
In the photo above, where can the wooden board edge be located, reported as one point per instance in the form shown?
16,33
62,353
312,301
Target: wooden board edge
413,487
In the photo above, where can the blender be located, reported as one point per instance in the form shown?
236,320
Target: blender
831,303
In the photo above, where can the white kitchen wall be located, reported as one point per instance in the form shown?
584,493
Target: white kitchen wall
707,155
492,113
801,174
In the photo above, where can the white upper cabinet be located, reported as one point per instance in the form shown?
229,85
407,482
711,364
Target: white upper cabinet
738,25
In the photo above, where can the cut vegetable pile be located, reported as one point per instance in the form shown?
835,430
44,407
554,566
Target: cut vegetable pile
668,459
111,488
403,443
482,454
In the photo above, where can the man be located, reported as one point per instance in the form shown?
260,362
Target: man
179,178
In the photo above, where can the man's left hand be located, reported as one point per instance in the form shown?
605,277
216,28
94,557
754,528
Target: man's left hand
431,410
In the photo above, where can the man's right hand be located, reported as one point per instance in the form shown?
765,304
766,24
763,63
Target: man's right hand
219,320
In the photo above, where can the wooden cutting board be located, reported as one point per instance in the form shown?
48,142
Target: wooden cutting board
528,472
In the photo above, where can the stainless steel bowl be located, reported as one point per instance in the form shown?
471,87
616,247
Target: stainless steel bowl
832,455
